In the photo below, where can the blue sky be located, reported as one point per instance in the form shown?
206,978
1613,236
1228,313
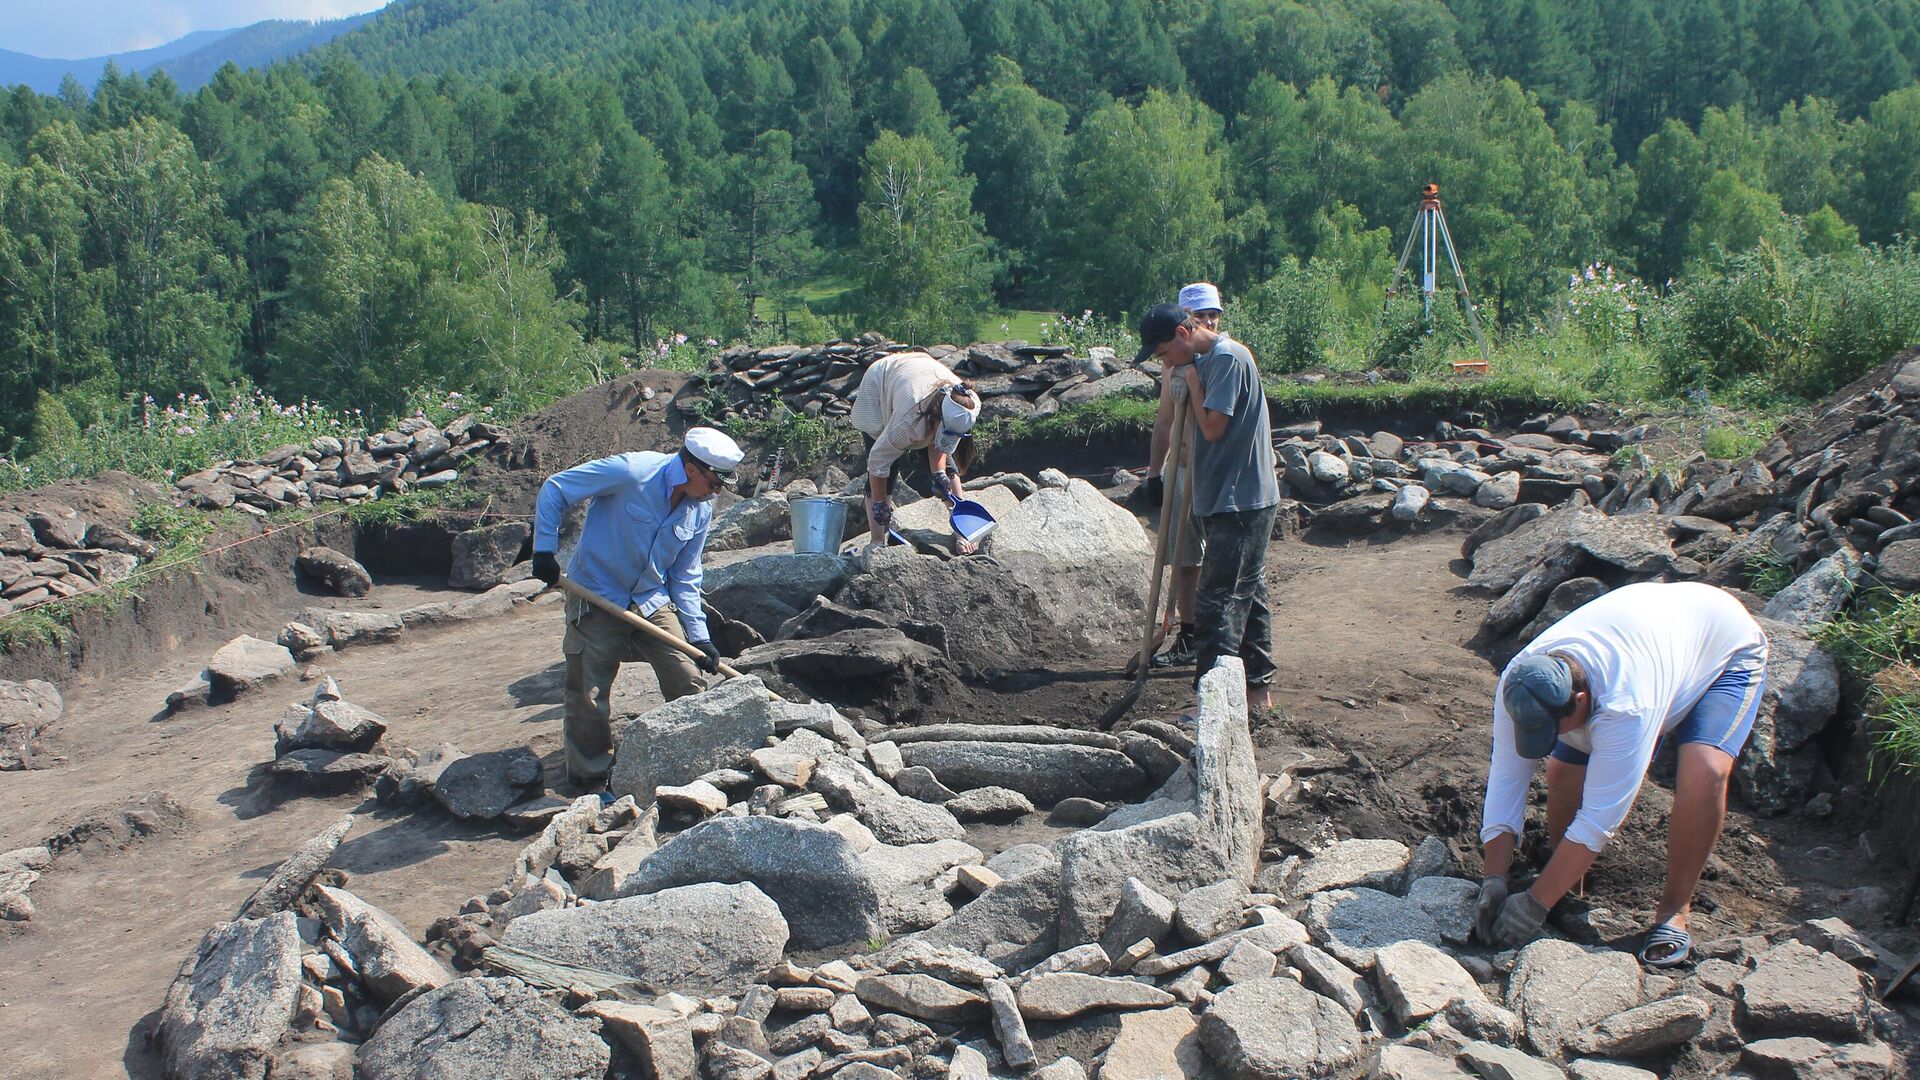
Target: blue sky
72,29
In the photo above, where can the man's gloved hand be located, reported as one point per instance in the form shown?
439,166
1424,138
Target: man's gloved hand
883,514
709,660
1521,920
943,485
1152,490
1493,893
546,567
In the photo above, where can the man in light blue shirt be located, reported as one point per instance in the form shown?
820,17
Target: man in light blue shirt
640,549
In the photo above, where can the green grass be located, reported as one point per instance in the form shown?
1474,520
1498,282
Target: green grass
1881,633
415,505
1016,325
1895,720
1768,573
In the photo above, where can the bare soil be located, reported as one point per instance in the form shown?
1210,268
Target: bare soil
1378,693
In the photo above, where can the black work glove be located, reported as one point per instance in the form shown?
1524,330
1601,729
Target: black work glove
1152,490
1521,920
1493,893
943,485
883,514
709,660
546,567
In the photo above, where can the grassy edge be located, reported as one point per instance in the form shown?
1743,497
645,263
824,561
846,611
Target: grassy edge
180,534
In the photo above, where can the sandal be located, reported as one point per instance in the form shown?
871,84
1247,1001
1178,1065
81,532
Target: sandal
1666,936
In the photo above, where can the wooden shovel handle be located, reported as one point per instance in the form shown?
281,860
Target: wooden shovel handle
574,588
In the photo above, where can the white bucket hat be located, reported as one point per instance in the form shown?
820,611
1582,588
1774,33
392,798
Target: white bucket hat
956,420
1201,296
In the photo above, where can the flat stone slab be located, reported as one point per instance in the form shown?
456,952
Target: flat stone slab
1375,864
1066,994
701,939
1352,923
1798,990
485,1027
1277,1029
921,996
825,893
1044,773
1418,980
228,1009
1156,1044
1559,989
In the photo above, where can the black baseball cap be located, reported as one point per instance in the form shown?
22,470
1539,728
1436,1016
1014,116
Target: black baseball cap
1157,327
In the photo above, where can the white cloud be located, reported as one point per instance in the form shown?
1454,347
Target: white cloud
71,29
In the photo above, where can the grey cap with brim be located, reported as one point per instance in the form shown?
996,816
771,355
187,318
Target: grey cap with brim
1537,691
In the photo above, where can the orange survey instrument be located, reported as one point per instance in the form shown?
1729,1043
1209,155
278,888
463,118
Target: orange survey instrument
1431,233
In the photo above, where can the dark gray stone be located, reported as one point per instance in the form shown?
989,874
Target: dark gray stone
1045,774
480,787
481,557
336,570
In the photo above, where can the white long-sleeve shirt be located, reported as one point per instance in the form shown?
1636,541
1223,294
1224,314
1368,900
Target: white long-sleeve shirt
886,406
1650,652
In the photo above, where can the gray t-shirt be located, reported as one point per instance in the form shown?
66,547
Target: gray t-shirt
1236,473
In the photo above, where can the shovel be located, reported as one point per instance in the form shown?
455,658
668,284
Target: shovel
573,588
1173,524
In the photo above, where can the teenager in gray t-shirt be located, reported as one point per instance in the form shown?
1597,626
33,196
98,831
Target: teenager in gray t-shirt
1236,471
1234,490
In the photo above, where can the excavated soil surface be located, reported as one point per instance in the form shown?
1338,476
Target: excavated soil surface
1383,715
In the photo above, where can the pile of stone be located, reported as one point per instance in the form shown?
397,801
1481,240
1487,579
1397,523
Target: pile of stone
327,745
808,906
304,968
1385,479
1065,570
54,552
1016,380
27,710
415,454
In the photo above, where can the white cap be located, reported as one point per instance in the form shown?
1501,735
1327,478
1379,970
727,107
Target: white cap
714,449
955,421
1201,296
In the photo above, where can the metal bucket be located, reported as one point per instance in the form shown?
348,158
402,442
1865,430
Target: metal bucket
818,524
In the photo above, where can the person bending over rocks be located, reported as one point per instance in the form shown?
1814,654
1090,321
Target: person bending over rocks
1234,490
1594,695
640,549
908,401
1203,299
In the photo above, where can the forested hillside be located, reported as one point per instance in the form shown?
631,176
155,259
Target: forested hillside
505,197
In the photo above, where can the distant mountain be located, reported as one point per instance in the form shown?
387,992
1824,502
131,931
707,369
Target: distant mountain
190,60
433,37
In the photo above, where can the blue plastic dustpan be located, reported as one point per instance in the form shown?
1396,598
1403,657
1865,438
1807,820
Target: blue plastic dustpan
971,521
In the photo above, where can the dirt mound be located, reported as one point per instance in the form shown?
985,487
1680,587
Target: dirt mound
628,413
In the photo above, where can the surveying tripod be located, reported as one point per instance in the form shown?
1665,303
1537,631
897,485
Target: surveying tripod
1430,232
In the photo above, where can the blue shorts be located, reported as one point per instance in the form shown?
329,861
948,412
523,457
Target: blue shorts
1722,718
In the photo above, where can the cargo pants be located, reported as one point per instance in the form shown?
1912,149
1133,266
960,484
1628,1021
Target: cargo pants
1233,618
596,644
